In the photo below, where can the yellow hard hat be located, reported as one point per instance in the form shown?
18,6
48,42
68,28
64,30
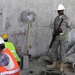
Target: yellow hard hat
4,36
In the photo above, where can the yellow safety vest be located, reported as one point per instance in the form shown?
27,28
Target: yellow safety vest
11,47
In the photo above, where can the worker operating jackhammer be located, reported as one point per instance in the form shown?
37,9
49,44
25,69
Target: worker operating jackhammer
62,26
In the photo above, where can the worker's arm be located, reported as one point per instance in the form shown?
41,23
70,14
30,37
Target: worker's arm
4,60
69,25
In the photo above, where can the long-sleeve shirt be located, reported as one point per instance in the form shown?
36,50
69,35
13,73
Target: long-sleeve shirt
66,25
4,59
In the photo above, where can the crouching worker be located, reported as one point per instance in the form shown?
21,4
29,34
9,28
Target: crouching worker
8,63
11,47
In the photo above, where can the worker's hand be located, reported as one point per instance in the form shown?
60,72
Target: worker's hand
18,48
61,33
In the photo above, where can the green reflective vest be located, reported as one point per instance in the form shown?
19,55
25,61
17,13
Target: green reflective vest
11,47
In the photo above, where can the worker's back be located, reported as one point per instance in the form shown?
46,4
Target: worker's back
11,47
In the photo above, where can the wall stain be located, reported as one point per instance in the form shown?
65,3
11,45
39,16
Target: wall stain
14,34
17,34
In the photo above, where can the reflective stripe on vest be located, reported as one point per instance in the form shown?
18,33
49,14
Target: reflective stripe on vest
10,72
12,50
15,55
8,69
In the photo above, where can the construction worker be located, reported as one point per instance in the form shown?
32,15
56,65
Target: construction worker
61,39
11,47
8,63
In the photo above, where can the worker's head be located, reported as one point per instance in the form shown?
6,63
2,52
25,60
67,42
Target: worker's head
60,9
5,37
2,46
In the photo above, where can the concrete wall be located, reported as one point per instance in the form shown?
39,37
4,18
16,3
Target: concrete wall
41,28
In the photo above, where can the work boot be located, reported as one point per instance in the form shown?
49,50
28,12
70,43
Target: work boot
52,66
62,67
66,65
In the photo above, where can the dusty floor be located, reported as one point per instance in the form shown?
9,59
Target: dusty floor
36,68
